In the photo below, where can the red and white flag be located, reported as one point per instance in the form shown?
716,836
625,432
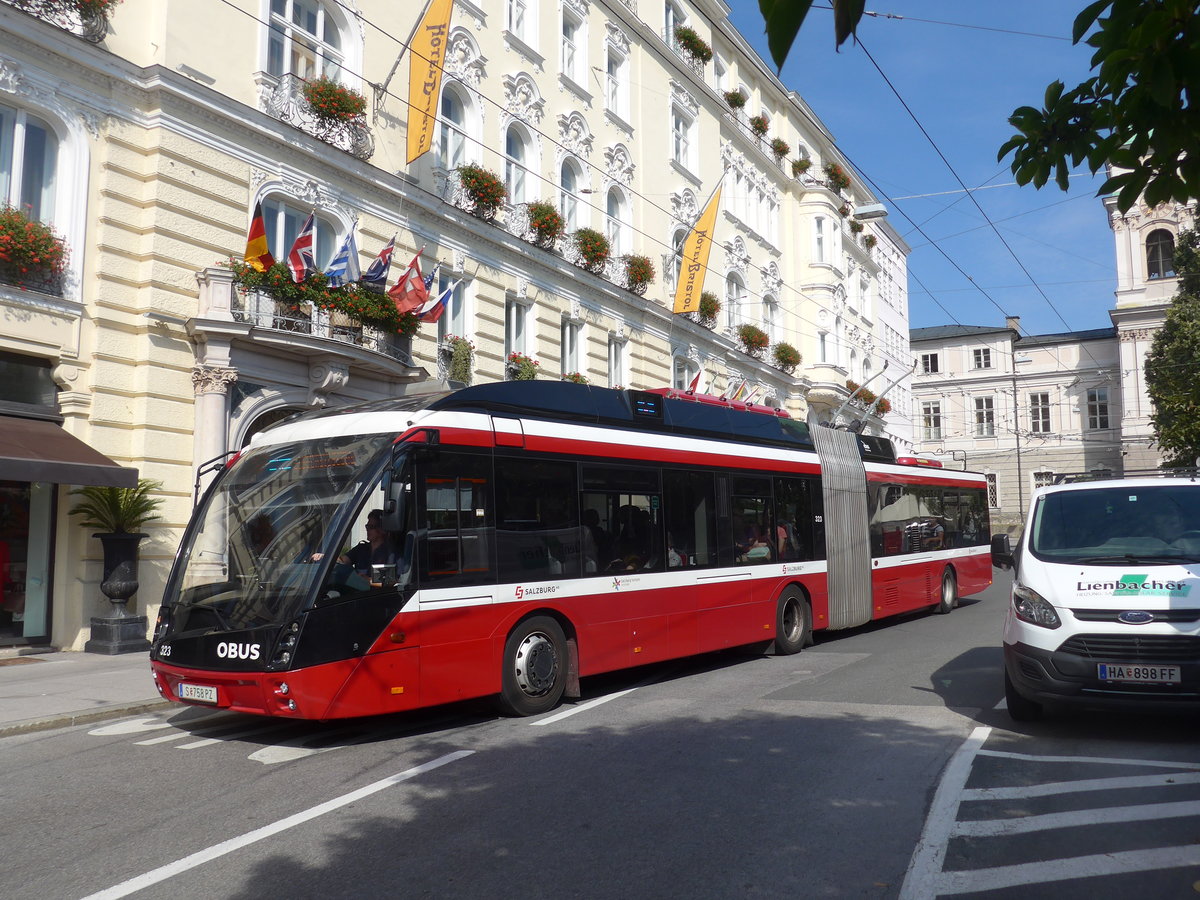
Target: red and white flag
695,384
432,310
300,257
410,293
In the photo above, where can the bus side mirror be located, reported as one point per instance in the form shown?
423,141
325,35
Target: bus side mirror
1002,554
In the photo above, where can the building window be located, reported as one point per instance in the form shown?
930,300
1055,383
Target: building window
28,160
673,17
985,417
283,221
516,154
616,361
1160,252
616,221
677,240
735,293
819,238
1097,406
515,314
574,46
683,370
568,195
770,317
571,331
1041,479
452,129
993,490
823,346
982,358
454,320
1039,413
682,143
616,94
304,40
519,19
929,363
931,420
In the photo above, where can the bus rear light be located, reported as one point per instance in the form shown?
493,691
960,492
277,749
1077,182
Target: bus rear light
918,461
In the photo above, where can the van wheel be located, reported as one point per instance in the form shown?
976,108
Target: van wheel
949,593
793,623
1020,709
535,668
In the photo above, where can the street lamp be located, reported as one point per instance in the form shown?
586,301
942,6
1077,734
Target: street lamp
870,211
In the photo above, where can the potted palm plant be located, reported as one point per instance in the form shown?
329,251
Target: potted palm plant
119,514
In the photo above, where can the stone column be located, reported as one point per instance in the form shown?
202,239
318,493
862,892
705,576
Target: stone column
211,435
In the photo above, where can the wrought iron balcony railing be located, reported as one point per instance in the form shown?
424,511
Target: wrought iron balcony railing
283,98
86,22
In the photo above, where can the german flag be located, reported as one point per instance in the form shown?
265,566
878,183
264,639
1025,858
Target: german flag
257,253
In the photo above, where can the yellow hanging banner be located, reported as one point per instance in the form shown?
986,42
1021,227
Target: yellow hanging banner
695,258
427,53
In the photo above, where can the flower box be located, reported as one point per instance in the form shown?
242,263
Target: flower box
735,99
332,103
483,188
546,224
759,125
786,357
31,254
519,367
639,273
692,44
593,248
836,177
754,340
780,148
800,166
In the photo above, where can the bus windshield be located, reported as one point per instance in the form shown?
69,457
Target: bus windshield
1119,525
265,530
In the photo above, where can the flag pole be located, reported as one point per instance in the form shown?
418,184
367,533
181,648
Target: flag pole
381,90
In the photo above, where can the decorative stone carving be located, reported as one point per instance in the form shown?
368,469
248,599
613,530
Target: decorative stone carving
522,99
682,97
212,379
574,134
618,165
737,258
324,378
463,60
772,281
685,207
616,38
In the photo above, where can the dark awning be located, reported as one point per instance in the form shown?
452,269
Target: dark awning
37,450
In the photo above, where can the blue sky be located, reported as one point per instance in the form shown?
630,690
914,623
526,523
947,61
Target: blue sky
961,84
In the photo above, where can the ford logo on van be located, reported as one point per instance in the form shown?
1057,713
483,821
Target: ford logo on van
1135,617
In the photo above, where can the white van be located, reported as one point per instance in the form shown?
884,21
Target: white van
1105,605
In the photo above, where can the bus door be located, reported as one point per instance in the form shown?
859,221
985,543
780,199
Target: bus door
749,541
456,570
630,608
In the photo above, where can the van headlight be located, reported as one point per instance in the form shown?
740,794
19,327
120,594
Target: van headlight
1032,607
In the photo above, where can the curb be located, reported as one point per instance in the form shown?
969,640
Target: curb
64,720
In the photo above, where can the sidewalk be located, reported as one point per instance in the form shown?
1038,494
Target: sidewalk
42,689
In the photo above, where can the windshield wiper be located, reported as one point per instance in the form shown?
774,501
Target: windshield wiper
1136,558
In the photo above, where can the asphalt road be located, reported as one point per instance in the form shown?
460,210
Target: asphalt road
874,764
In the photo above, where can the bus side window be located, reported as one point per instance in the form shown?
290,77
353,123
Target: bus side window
537,530
794,510
690,499
756,535
455,515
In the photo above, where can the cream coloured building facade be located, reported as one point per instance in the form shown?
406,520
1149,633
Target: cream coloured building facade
150,137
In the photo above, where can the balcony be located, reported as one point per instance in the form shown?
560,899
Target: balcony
90,24
283,98
225,312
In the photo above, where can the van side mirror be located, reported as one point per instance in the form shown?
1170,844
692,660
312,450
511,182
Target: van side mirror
1002,554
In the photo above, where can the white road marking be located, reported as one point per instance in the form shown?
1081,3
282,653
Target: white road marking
1046,821
1076,787
141,882
927,859
966,882
583,707
1109,760
280,753
130,726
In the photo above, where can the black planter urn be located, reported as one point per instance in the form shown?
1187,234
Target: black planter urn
119,632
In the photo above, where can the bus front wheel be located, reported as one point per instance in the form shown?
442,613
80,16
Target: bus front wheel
793,626
535,668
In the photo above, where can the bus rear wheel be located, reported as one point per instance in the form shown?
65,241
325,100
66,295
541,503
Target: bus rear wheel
793,625
949,592
535,668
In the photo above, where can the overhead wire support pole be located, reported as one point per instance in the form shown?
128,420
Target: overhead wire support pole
858,390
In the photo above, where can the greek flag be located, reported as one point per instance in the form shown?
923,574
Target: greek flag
344,268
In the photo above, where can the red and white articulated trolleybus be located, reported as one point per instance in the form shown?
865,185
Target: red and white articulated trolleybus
525,534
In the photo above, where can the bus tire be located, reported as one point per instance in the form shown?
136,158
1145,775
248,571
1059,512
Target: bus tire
535,668
949,592
1020,709
793,623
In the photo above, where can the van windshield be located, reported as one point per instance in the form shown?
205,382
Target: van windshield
1119,525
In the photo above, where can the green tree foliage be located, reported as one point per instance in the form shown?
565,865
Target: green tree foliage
1134,112
1174,360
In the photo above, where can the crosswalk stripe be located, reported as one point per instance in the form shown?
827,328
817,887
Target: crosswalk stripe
1107,816
1100,864
1076,787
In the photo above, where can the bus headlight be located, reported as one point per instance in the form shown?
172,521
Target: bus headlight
1032,607
286,648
